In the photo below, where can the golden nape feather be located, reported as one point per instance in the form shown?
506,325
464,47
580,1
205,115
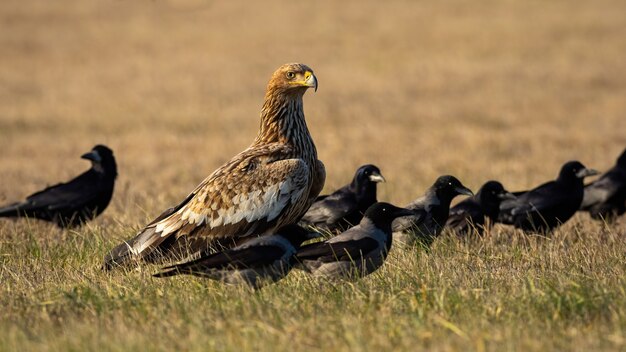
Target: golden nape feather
269,185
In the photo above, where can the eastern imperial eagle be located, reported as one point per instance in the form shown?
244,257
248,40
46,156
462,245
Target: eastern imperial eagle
269,185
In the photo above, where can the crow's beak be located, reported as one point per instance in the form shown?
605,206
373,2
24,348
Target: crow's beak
377,177
93,156
586,172
506,196
464,190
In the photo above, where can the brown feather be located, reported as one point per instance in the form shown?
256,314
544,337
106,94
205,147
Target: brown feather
319,177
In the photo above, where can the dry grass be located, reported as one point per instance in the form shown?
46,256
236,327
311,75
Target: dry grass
480,89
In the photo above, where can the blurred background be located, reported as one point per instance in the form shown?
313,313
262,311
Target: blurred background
505,90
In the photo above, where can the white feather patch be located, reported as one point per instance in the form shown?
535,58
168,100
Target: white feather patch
159,227
259,204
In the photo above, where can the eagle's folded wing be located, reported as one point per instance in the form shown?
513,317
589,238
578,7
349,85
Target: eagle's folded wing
246,196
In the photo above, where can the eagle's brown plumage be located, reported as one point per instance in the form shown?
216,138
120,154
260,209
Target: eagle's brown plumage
270,184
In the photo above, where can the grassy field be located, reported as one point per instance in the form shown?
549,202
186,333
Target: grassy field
505,90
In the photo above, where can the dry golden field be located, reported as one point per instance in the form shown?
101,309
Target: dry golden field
505,90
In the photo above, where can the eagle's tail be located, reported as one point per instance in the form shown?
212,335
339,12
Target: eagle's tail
118,256
127,252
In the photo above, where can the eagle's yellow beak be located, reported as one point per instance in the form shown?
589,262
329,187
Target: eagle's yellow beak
310,80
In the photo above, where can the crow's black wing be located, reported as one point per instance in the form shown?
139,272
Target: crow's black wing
465,213
603,189
406,223
61,197
519,193
337,251
244,258
543,198
72,194
538,198
331,209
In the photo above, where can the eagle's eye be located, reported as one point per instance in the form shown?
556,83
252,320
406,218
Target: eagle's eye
290,75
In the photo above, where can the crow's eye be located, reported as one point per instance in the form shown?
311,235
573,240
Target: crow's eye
290,75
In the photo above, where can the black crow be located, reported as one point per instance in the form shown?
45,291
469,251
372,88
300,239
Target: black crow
344,208
356,252
605,198
553,203
471,213
77,201
431,212
256,262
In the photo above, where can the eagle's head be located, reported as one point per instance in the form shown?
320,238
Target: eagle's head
292,78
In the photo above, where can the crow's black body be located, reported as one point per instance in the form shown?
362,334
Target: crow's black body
472,212
356,252
345,207
546,207
256,262
75,202
430,212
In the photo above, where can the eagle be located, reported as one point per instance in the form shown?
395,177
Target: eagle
269,185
